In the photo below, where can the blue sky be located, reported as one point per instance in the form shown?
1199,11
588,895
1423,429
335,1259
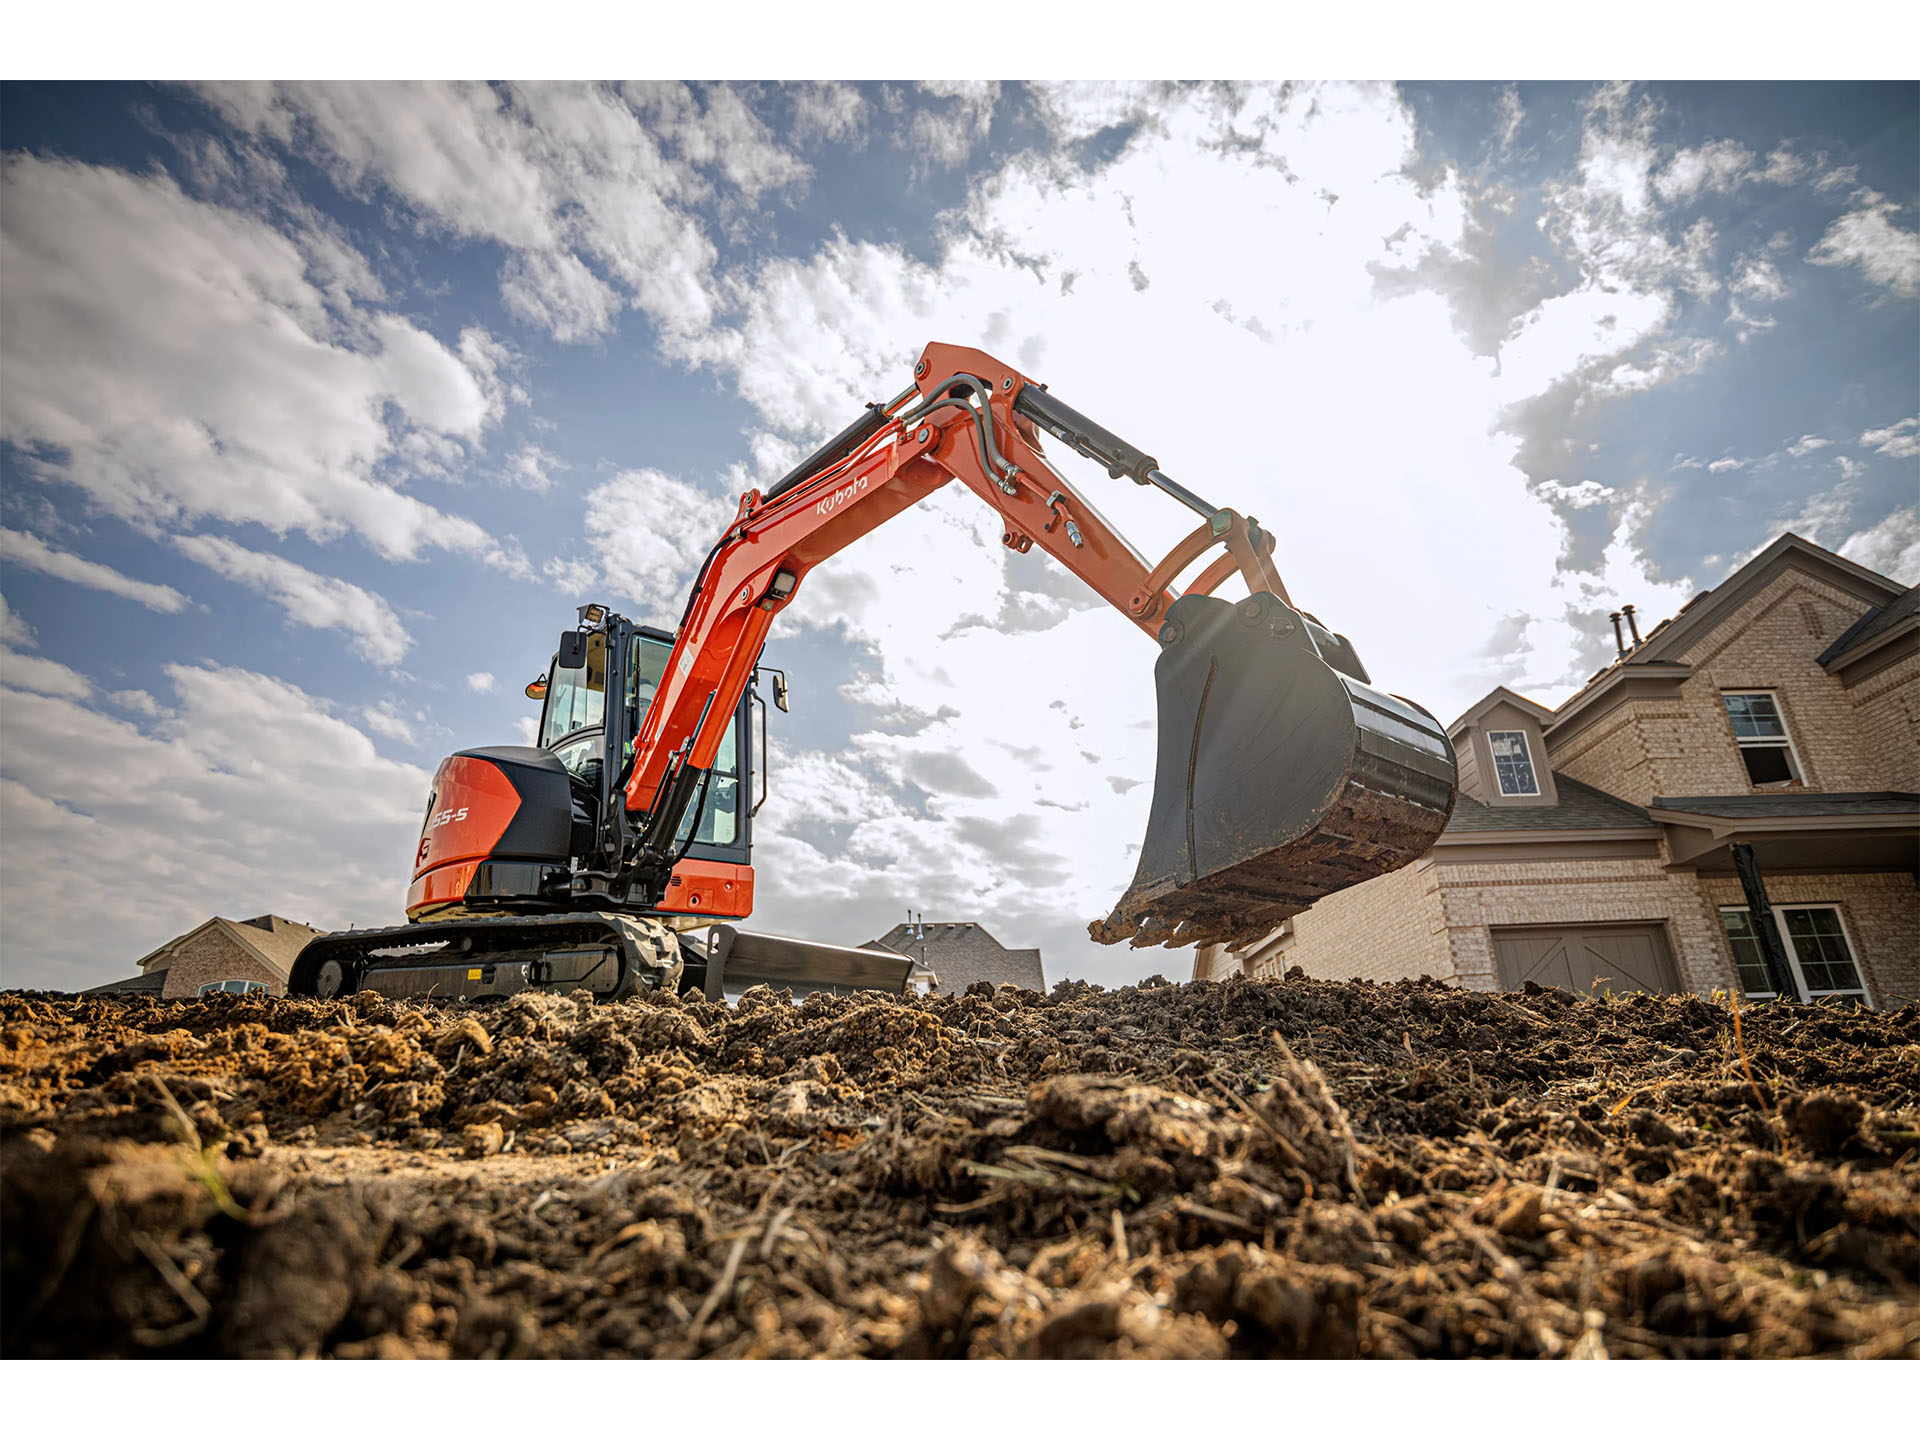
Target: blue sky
322,407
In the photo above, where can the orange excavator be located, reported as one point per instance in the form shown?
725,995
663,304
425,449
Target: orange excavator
586,862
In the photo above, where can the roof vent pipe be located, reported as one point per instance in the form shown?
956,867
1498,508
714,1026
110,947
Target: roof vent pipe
1633,627
1619,644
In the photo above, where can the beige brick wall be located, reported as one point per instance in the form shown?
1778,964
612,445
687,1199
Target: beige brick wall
1476,898
1881,914
1612,753
1385,929
1888,706
215,956
1662,747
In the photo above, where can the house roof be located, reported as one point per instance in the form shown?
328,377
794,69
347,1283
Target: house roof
151,983
1701,612
1874,624
1656,656
1500,695
1792,805
959,952
1580,807
274,941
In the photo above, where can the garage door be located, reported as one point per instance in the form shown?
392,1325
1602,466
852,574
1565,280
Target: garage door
1586,958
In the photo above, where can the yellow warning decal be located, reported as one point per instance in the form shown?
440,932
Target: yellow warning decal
473,974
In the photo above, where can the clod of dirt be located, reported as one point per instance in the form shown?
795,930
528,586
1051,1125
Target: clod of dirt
1824,1121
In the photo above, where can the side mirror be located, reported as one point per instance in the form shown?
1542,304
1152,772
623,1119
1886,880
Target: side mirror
573,650
780,691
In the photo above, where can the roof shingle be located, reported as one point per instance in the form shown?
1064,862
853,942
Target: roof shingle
1581,807
1793,804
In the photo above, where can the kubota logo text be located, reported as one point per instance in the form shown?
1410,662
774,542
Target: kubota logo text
840,497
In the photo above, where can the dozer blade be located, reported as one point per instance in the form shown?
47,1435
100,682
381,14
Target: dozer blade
1278,782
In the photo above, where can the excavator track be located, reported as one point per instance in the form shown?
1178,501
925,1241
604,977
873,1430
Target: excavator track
609,955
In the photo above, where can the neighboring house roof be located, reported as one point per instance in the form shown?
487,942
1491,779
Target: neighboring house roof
151,983
1580,807
1792,805
960,952
272,940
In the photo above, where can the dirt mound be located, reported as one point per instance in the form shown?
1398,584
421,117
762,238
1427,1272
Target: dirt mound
1249,1169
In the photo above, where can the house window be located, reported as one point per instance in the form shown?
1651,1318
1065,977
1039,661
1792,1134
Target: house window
233,987
1818,956
1762,737
1512,762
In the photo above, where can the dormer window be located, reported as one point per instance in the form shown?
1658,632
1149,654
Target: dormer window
1513,762
1761,734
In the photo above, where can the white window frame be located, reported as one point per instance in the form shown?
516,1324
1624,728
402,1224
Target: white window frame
1766,742
1499,784
219,987
1865,992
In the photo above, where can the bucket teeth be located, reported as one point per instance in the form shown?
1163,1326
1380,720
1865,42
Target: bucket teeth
1278,781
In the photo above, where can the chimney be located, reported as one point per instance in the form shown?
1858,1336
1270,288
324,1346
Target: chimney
1633,627
1619,644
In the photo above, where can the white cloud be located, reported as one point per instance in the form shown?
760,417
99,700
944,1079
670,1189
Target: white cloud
15,633
1887,254
480,682
647,533
1720,166
1718,467
42,676
1806,445
1760,278
1900,440
532,467
176,360
1892,547
1582,496
718,131
1511,115
138,701
1783,168
386,719
574,181
267,801
20,548
829,111
316,601
944,134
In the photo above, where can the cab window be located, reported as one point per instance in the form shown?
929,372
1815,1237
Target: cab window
720,819
577,699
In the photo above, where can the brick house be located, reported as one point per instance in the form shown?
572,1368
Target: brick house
1774,722
962,952
233,955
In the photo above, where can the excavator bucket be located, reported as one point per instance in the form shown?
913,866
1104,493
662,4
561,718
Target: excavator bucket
1279,781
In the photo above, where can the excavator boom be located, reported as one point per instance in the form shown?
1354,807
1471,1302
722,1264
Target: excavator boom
1282,774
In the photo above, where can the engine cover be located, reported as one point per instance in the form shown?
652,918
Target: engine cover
506,807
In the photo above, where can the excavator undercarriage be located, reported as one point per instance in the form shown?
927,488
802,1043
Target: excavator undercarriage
1282,774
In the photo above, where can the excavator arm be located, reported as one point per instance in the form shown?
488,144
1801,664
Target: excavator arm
1355,782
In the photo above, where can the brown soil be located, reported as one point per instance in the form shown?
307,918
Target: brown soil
1250,1169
